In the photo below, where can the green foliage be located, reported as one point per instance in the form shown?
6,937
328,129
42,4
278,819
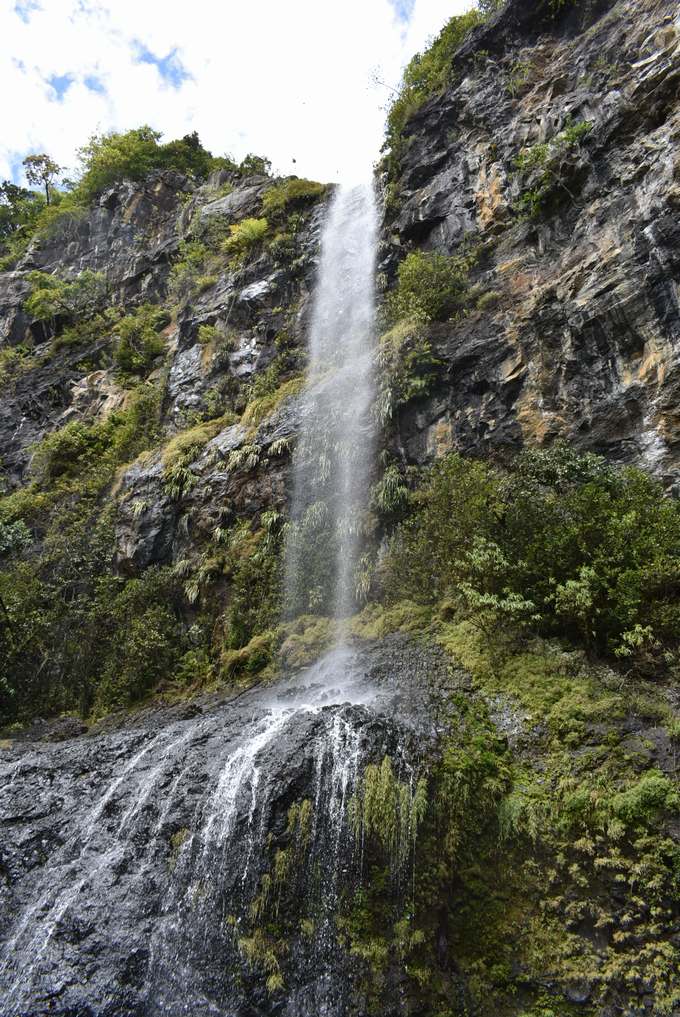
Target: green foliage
188,275
108,159
407,366
389,811
41,170
305,639
15,361
543,167
263,406
521,73
290,195
430,286
52,297
182,450
137,339
253,566
244,238
14,537
390,495
562,542
585,830
426,74
73,634
255,164
19,209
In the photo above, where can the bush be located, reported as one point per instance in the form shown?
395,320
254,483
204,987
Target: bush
255,164
52,297
245,237
19,211
93,451
425,75
108,159
407,366
562,541
290,195
188,270
430,287
138,342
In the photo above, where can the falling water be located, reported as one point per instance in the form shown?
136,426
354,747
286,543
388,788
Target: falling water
336,440
183,818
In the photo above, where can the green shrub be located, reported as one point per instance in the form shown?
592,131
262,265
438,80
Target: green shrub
543,166
53,297
426,74
14,361
255,164
108,159
93,451
138,342
430,286
245,237
19,211
407,364
290,195
389,495
561,541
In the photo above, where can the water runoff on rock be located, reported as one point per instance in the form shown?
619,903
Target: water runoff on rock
146,881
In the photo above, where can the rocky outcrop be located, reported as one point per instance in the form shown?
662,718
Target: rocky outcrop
577,246
131,847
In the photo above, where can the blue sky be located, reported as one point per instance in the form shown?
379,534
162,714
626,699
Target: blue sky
294,81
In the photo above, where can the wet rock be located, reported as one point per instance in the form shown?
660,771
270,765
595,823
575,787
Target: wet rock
146,519
166,825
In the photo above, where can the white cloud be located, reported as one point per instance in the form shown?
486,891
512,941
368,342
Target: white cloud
287,80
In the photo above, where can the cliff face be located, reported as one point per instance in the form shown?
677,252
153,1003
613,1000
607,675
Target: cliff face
470,810
576,235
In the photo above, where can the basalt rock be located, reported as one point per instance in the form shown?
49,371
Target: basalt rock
132,856
581,336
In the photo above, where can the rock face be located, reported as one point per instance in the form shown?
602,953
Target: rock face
579,338
133,859
208,858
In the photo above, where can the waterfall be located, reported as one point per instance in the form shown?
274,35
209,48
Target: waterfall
335,447
175,850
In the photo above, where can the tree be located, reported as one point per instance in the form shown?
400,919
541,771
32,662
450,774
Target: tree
18,207
41,170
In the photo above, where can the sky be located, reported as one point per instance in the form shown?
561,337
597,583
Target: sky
294,80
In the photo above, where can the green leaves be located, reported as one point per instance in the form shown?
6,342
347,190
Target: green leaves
564,541
431,286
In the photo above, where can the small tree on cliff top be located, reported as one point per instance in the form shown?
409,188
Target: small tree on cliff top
41,170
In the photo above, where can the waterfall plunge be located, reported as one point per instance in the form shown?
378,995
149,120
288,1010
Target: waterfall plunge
166,840
336,441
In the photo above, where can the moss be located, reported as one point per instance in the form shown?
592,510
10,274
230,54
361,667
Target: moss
291,194
389,811
191,442
264,406
376,620
249,660
305,639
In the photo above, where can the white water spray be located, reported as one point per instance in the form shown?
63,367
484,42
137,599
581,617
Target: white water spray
337,435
